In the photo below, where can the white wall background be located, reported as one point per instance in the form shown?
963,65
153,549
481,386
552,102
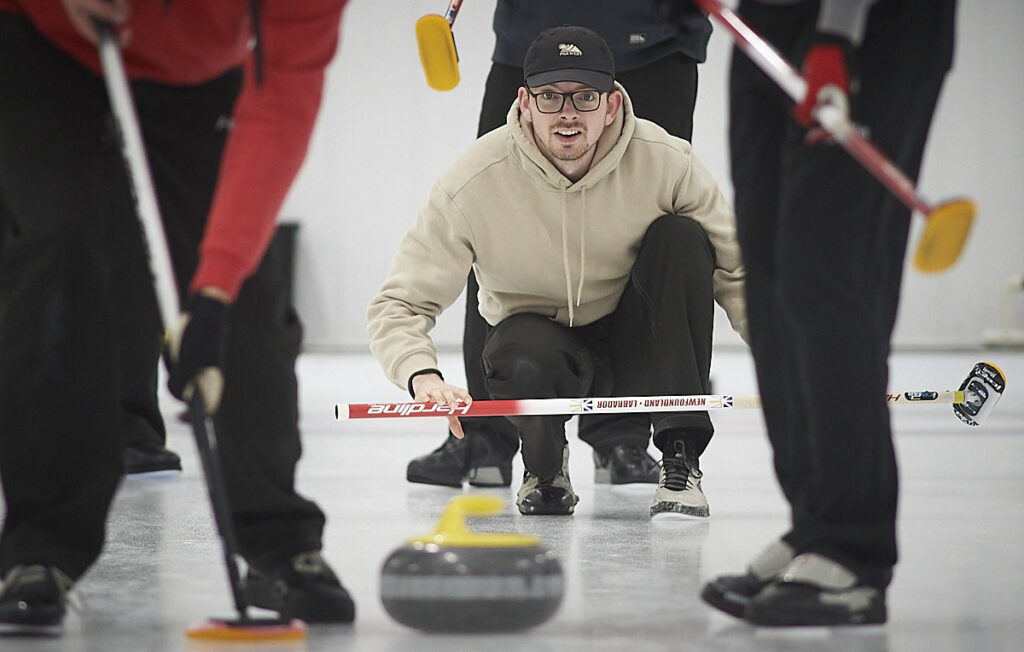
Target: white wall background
383,136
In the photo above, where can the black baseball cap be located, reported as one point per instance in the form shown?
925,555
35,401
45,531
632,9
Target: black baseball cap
569,53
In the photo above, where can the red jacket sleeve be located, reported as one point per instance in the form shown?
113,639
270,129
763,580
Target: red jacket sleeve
268,142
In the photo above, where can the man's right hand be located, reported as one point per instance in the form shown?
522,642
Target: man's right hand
83,12
431,388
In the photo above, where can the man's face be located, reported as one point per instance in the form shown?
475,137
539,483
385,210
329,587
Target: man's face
568,137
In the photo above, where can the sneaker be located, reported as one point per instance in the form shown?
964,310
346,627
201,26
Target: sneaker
554,496
625,464
459,460
304,587
732,593
148,457
679,495
814,590
34,600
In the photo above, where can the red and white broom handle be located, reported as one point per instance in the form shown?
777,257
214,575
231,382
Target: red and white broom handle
452,12
552,406
832,118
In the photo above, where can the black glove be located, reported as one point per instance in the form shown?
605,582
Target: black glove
197,351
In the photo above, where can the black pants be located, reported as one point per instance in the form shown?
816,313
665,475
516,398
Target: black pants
73,277
664,92
658,341
823,244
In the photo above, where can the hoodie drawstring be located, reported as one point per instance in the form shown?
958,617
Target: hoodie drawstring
565,252
583,244
565,258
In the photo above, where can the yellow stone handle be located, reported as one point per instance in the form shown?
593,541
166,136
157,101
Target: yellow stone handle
451,528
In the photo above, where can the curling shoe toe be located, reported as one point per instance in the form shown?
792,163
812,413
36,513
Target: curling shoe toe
553,496
733,593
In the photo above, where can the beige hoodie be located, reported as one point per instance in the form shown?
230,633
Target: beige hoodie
540,243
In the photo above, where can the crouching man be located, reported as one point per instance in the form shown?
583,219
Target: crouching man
600,245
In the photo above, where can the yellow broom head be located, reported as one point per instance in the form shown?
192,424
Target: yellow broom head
437,52
944,235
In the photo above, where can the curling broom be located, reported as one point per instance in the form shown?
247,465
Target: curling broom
947,224
976,397
133,150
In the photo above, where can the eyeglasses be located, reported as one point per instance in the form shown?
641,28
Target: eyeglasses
552,101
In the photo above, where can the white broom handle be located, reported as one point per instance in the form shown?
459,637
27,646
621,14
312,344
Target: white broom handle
768,58
552,406
141,179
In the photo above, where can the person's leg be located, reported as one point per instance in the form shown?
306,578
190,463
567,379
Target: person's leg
257,421
847,529
823,296
664,92
758,121
140,340
530,356
60,438
662,327
500,91
484,455
660,341
861,248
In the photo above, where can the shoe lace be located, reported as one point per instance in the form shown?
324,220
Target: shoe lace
678,473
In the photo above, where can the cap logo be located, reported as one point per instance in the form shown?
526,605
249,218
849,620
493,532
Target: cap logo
569,50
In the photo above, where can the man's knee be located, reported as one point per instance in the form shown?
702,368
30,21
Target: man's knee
675,242
678,238
524,350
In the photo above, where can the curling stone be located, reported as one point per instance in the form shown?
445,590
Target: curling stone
456,580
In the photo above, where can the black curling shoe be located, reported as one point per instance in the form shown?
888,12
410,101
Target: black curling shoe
34,601
814,591
149,457
444,466
304,587
625,464
458,460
